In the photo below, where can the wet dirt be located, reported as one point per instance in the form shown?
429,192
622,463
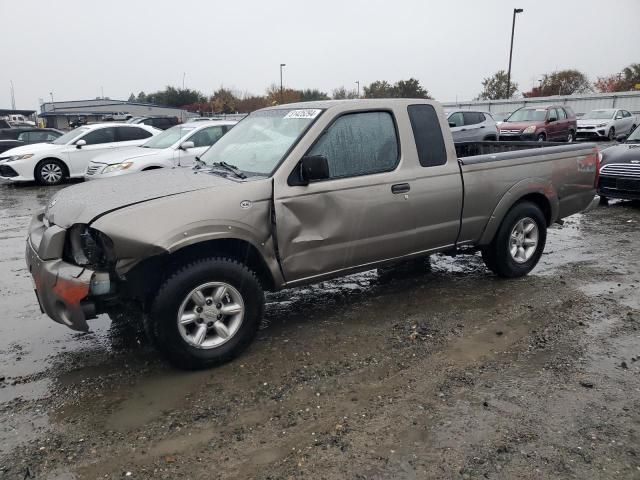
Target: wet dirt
427,370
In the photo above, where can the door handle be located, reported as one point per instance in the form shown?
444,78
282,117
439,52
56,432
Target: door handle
482,126
400,188
463,129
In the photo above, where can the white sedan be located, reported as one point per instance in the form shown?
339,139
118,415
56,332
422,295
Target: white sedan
606,123
69,155
175,147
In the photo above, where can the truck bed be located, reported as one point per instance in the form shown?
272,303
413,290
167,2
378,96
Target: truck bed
471,149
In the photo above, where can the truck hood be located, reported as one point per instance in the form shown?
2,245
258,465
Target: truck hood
127,154
592,122
34,148
84,202
623,153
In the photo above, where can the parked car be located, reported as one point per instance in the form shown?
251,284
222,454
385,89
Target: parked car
176,147
68,155
38,135
472,126
552,123
20,120
158,122
606,123
620,171
292,195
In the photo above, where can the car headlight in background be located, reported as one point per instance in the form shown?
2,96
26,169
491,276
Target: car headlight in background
117,167
86,246
601,125
529,129
19,157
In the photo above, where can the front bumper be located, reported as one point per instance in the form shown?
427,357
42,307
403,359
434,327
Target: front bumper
619,187
519,137
583,132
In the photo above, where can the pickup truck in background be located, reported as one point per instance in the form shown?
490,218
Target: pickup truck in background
292,195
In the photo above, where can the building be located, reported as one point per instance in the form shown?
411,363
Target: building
62,114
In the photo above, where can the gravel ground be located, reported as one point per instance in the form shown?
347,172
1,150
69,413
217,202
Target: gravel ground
430,370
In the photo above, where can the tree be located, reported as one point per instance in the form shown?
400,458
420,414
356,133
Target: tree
379,89
132,98
224,101
311,94
342,93
288,95
622,82
409,89
563,82
248,103
495,87
142,97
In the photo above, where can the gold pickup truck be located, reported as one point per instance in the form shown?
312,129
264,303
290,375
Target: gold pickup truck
292,195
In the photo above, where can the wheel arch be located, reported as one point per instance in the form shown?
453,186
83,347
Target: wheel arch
537,191
67,172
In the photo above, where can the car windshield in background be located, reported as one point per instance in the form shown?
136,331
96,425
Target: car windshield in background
168,137
258,143
528,115
635,136
70,136
600,114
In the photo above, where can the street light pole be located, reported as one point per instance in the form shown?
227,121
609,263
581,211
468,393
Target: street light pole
358,83
281,88
513,27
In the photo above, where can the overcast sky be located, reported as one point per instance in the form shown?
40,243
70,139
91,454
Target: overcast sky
74,48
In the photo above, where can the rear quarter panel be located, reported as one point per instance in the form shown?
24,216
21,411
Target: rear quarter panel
494,183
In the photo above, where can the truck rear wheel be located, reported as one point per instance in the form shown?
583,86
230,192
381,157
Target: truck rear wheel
206,313
519,242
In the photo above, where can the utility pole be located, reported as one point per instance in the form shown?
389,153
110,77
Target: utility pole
281,88
53,107
102,92
358,84
13,96
183,75
513,27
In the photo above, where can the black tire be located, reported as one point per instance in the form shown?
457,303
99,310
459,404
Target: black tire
571,137
162,321
541,137
497,256
50,171
612,134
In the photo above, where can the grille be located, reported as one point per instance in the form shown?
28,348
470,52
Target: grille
93,169
509,132
627,170
586,128
6,171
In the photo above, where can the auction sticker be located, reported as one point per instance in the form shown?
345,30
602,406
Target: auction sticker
304,113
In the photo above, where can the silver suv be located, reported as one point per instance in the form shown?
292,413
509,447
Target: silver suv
472,126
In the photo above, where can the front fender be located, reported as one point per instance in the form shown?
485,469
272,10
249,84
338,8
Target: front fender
512,196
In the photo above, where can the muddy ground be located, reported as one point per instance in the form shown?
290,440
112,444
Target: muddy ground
439,371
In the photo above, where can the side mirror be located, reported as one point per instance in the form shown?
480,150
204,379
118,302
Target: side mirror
187,145
618,117
452,125
621,138
80,143
311,168
552,119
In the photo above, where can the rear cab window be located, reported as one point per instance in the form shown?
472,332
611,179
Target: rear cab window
428,135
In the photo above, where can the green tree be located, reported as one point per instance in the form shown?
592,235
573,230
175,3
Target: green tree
379,89
132,98
563,82
495,87
342,93
409,89
142,97
312,94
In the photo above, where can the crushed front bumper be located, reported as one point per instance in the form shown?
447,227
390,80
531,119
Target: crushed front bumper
62,290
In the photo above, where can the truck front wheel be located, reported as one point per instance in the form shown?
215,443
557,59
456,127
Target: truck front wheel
206,312
518,243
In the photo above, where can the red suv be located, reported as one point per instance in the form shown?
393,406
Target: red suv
552,123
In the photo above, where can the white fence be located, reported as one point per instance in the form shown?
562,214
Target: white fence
580,104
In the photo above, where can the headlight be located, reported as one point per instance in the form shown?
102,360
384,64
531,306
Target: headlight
529,129
601,125
19,157
117,167
86,246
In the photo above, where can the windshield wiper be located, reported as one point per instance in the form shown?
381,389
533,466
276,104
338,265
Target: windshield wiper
199,164
230,168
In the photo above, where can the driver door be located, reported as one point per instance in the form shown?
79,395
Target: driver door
97,141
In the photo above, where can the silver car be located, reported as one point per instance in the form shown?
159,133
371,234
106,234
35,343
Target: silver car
606,123
472,126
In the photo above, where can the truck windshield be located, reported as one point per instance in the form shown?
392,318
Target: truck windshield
603,114
528,115
168,137
258,143
70,136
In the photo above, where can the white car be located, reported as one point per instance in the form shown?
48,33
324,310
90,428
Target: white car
606,122
175,147
69,155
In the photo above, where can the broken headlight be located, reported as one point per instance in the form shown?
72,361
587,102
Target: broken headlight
86,246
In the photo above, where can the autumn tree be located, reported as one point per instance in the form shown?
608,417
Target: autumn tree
223,100
563,82
495,87
288,95
622,82
342,93
248,103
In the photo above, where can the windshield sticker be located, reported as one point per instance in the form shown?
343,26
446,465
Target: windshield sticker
304,113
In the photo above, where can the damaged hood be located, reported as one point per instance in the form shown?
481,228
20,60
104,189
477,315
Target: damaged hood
84,202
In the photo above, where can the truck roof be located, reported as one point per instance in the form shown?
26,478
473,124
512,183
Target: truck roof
358,102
